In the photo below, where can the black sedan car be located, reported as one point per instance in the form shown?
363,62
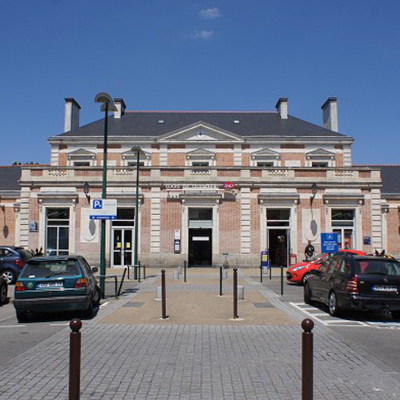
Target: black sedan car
348,282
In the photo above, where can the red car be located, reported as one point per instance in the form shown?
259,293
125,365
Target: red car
298,273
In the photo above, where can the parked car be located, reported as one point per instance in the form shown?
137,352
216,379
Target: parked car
12,260
52,284
299,272
347,282
3,290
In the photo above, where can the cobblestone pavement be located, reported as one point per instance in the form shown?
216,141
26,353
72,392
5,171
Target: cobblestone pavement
187,361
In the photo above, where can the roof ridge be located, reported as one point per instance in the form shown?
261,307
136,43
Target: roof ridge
202,112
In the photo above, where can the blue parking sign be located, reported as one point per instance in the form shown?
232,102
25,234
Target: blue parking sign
97,204
329,242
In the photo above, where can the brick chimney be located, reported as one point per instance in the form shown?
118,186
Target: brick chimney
121,106
282,107
71,114
330,114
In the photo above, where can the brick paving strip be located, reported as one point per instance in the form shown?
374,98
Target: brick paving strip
198,353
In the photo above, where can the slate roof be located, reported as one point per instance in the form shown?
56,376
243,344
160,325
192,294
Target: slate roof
9,178
390,175
146,123
390,178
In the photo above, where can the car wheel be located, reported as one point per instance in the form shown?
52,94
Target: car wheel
307,293
334,309
9,276
305,277
396,315
21,317
96,297
3,294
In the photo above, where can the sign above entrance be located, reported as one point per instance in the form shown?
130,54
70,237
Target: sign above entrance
103,209
194,186
329,242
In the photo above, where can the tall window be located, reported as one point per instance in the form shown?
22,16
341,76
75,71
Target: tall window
57,240
343,225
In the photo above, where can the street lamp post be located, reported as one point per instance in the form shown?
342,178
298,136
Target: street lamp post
107,106
138,151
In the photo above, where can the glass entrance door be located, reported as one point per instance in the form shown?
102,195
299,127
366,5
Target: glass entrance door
122,247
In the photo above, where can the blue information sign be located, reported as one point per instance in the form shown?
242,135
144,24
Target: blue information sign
329,242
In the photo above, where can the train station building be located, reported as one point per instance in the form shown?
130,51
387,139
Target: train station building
209,183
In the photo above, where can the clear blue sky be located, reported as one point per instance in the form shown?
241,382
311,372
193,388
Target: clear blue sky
200,55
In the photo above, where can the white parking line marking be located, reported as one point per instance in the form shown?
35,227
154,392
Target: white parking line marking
59,324
12,326
326,322
103,305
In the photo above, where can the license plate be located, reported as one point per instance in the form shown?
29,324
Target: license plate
384,288
50,285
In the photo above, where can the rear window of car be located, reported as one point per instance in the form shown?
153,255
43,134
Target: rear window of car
378,267
47,269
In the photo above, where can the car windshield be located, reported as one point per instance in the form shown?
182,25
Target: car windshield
314,258
50,268
378,267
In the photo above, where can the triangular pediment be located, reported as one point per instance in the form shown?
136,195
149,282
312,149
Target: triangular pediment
201,132
320,153
200,153
132,154
81,152
265,153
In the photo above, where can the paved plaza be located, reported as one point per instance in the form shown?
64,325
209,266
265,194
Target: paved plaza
199,352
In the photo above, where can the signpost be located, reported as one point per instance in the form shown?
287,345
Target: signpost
103,209
329,242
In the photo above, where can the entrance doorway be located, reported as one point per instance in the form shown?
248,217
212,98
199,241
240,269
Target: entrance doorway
278,247
122,243
200,247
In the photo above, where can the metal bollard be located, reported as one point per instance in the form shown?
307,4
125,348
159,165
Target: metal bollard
261,274
184,271
139,271
220,281
75,359
135,272
235,290
144,272
270,272
282,280
307,362
163,296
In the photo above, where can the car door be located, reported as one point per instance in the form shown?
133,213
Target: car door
327,279
315,280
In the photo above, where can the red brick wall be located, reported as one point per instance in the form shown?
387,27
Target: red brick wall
255,210
309,173
339,160
366,224
171,219
393,231
173,172
230,227
7,223
245,160
224,159
145,225
296,156
176,159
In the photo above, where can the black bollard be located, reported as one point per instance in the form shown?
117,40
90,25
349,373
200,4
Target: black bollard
75,359
220,281
184,271
163,296
139,271
307,363
235,294
261,274
282,280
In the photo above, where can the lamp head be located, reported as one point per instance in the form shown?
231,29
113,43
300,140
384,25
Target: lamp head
105,98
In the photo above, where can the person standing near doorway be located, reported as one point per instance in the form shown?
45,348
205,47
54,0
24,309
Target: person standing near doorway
309,250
